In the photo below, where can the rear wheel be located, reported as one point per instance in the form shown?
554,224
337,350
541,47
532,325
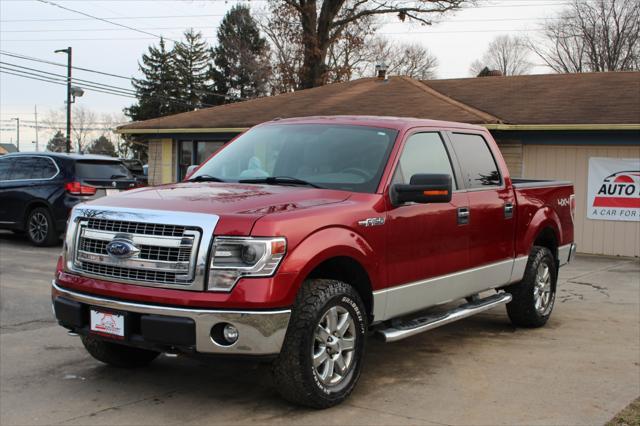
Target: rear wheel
118,355
534,296
40,227
321,357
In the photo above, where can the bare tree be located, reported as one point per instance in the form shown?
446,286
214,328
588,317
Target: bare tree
83,122
346,55
323,21
409,59
507,54
599,35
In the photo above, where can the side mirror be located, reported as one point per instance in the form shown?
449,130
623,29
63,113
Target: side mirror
192,168
423,188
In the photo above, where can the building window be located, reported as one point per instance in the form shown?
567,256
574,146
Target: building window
194,152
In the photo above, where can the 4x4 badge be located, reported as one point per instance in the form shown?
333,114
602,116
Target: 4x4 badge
371,221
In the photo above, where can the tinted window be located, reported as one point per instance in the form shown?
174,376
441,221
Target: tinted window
23,168
478,165
350,158
5,168
102,170
423,153
44,168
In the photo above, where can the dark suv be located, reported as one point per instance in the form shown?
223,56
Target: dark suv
38,190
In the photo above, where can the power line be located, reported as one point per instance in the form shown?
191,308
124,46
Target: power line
99,19
54,30
30,58
64,78
44,61
209,38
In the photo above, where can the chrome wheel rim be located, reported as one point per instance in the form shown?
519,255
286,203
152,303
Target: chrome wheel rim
333,354
542,294
38,227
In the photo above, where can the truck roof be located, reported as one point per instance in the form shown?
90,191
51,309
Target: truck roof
398,123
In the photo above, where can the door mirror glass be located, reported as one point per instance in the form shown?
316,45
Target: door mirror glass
192,168
423,188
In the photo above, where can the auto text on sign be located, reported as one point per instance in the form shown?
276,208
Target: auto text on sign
614,189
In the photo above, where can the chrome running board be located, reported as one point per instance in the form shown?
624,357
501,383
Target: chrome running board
403,329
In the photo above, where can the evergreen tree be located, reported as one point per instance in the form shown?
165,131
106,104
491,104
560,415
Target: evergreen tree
157,91
102,146
58,143
192,64
241,56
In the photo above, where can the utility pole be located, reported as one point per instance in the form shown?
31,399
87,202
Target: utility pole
35,109
68,52
17,133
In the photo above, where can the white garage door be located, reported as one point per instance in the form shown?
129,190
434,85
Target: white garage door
572,163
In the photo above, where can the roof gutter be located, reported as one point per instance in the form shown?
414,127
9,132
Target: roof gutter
534,127
124,131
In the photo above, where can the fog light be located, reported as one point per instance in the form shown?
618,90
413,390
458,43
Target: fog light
230,333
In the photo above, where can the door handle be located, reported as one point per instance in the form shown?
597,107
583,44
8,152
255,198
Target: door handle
508,210
463,215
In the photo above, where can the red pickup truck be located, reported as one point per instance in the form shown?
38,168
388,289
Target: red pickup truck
303,236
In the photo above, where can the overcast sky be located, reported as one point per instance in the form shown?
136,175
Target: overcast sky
37,28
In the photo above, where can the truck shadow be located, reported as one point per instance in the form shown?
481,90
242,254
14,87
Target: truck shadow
232,384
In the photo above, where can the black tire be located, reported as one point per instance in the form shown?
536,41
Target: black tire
524,310
40,228
120,356
294,373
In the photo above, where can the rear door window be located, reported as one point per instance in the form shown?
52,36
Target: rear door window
23,168
108,170
479,168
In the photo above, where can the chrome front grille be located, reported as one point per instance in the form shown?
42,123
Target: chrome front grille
136,227
127,273
164,254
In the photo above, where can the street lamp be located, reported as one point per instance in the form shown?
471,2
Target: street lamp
68,52
17,133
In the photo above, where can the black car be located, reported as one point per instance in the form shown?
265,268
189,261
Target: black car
137,170
38,190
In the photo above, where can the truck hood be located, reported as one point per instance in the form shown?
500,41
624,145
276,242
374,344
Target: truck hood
242,204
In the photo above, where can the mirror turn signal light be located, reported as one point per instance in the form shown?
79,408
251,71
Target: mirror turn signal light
436,192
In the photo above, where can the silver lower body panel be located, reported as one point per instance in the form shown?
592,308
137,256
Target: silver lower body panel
260,332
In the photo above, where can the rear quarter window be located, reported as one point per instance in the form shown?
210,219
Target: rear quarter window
88,169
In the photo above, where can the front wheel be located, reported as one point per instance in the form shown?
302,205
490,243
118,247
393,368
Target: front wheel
321,357
534,296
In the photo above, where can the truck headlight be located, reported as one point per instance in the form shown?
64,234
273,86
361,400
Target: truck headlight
236,257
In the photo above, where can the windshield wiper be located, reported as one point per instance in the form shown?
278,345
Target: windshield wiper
205,178
118,176
280,180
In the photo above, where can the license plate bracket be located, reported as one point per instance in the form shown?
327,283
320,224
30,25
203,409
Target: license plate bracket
108,323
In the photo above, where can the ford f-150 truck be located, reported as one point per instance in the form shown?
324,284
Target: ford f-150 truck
303,236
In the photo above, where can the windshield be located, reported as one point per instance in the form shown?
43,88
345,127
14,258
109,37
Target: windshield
102,170
350,158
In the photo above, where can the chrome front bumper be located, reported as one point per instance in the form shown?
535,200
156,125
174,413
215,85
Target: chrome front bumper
260,332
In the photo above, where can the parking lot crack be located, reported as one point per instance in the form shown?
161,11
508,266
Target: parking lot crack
599,289
397,415
116,407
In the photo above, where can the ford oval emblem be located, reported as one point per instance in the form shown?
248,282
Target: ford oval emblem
121,249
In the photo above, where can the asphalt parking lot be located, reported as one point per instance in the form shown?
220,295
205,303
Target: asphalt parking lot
582,368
